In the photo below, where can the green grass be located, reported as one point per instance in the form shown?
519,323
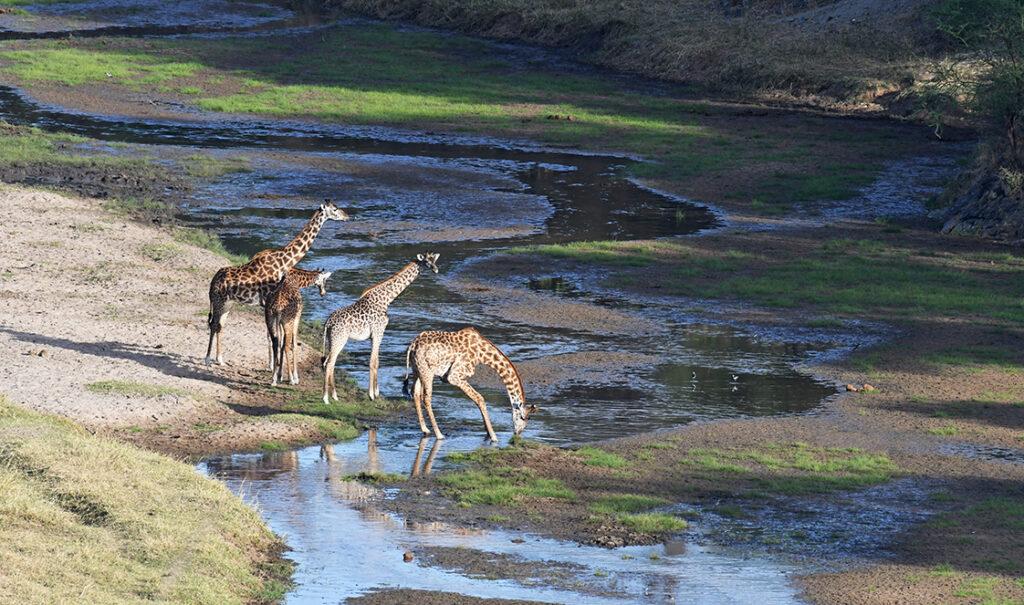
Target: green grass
374,74
160,252
948,430
593,456
377,477
130,388
840,277
976,358
273,446
111,523
795,468
211,167
209,241
71,66
626,503
652,523
329,428
502,486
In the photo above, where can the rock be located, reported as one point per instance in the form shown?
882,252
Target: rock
868,388
518,540
852,389
408,556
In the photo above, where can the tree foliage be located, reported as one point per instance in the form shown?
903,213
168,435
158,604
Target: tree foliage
988,76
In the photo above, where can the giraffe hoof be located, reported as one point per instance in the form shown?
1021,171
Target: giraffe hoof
326,400
208,361
293,381
439,436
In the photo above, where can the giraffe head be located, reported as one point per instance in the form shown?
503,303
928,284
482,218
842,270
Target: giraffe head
321,281
428,261
520,414
332,212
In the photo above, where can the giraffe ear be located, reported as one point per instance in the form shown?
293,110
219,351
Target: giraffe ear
420,257
434,257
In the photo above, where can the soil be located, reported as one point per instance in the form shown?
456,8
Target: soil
126,317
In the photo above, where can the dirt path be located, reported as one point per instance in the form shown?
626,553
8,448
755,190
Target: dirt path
104,322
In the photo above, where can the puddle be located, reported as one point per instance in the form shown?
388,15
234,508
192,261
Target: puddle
826,533
304,497
984,452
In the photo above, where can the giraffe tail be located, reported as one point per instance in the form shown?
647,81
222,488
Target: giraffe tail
323,357
405,382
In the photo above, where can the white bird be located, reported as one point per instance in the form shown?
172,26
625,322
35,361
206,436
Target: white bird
735,377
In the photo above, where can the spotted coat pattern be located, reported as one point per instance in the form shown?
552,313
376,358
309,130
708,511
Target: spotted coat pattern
282,311
367,318
250,283
454,357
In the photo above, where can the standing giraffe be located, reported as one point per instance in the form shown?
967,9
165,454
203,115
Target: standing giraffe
251,282
454,357
282,312
367,318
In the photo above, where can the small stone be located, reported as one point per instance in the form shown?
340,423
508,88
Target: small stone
851,388
518,540
867,388
407,557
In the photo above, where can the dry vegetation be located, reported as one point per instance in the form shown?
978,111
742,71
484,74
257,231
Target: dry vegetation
802,48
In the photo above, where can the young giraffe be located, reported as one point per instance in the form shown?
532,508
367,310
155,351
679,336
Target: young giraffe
282,311
454,357
251,282
367,318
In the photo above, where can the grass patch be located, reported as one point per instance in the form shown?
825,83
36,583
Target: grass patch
329,428
116,524
160,252
273,446
503,486
208,241
976,358
626,503
652,523
130,388
210,167
593,456
72,66
796,468
948,430
376,478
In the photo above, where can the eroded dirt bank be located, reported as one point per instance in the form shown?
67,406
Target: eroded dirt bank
104,322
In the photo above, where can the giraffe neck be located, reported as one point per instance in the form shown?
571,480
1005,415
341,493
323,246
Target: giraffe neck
301,278
503,367
297,248
390,288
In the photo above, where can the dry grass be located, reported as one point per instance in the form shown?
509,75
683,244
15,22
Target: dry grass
693,41
89,520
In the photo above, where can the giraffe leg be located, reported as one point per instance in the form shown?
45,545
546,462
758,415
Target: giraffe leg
275,353
214,325
292,343
428,390
374,390
417,398
329,361
478,399
220,330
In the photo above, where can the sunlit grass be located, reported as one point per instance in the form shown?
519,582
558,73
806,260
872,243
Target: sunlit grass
90,520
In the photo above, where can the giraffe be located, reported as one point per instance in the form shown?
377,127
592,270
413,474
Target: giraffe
454,357
251,282
367,318
282,311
